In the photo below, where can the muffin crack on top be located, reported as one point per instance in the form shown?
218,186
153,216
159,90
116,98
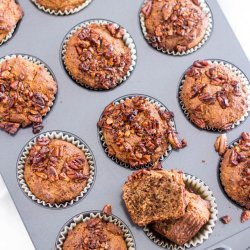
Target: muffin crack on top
174,25
214,95
97,57
10,14
137,132
27,91
235,171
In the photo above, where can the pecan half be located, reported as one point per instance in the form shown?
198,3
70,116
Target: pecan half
221,144
222,99
227,127
37,127
146,10
245,136
245,216
76,163
236,88
234,157
197,121
76,176
226,219
197,89
107,210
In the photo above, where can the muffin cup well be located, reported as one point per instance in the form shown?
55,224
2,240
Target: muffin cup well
205,8
60,12
159,105
230,146
235,70
200,188
128,40
127,234
65,136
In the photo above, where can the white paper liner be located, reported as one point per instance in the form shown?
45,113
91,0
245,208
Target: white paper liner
62,13
205,8
128,237
230,146
65,137
159,105
238,73
200,188
37,62
128,40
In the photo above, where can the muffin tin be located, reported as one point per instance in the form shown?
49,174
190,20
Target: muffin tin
77,110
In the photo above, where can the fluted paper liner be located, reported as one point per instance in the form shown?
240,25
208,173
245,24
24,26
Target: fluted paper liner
159,105
200,188
60,12
128,40
83,217
236,71
8,36
37,62
205,8
65,137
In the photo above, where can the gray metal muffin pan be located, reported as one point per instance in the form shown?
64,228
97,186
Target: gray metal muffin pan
77,110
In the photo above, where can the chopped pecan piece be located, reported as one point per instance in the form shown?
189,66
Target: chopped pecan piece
227,127
222,99
175,142
146,10
221,144
38,100
9,127
200,64
37,127
107,210
226,219
52,174
42,175
43,141
207,98
197,89
196,2
245,216
166,12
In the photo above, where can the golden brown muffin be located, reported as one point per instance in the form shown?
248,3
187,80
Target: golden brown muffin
10,14
182,230
175,25
27,91
154,195
96,56
214,96
56,171
95,234
137,132
60,5
235,171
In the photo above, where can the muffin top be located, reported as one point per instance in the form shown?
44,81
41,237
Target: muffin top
182,230
56,171
95,234
137,132
235,171
60,5
10,14
154,195
96,56
175,25
214,96
27,91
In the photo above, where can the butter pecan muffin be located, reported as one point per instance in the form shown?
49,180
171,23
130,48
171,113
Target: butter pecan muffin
56,171
97,57
27,91
10,14
137,132
60,5
174,25
235,171
154,195
95,234
214,96
182,230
